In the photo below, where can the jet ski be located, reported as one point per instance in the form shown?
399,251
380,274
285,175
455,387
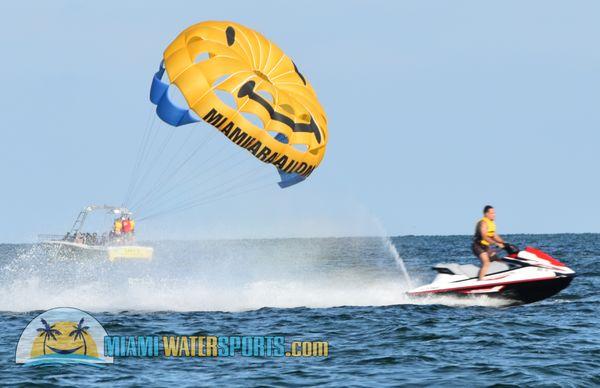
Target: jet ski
523,276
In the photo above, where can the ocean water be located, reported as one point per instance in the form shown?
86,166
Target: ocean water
348,291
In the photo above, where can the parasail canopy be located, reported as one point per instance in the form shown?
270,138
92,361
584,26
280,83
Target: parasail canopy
274,114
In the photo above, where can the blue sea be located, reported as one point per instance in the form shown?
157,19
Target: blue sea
347,291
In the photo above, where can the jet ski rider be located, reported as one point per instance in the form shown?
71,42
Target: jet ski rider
485,236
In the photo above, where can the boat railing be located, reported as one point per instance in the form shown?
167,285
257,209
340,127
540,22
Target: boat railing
87,239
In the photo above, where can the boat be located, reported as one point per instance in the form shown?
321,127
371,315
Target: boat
522,276
108,245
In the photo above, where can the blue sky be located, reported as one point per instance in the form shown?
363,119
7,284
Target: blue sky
435,109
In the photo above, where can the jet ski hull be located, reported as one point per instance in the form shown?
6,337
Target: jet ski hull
530,292
516,293
524,277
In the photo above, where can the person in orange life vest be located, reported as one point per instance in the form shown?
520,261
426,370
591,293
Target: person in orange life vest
126,225
485,236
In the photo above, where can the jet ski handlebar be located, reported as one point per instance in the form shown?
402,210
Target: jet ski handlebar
511,249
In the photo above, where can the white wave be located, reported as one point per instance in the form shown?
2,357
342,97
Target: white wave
217,276
174,295
233,282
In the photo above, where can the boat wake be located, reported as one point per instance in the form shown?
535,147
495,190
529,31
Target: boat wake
208,276
216,276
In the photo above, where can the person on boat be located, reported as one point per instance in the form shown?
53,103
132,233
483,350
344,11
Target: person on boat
486,236
132,223
126,225
118,227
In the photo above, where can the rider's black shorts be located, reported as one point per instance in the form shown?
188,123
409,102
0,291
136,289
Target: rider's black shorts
478,248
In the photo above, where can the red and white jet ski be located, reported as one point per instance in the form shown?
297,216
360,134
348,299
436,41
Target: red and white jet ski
524,276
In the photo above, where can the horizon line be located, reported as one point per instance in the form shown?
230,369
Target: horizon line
328,237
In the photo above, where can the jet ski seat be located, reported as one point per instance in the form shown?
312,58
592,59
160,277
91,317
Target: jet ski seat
469,270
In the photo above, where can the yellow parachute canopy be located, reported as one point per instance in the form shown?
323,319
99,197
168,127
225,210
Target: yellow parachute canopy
289,129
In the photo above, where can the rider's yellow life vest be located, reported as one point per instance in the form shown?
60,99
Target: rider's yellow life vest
491,230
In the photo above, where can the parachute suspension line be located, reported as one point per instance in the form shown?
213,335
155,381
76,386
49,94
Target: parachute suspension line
141,150
148,151
232,195
190,157
198,170
160,187
163,184
159,155
226,188
257,184
167,168
208,200
195,175
174,157
179,197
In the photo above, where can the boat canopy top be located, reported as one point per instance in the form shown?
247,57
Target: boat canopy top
115,210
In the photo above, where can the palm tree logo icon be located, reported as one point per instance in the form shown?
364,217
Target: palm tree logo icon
79,333
47,331
62,335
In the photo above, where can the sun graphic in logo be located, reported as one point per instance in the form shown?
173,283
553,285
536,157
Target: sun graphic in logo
62,335
64,338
